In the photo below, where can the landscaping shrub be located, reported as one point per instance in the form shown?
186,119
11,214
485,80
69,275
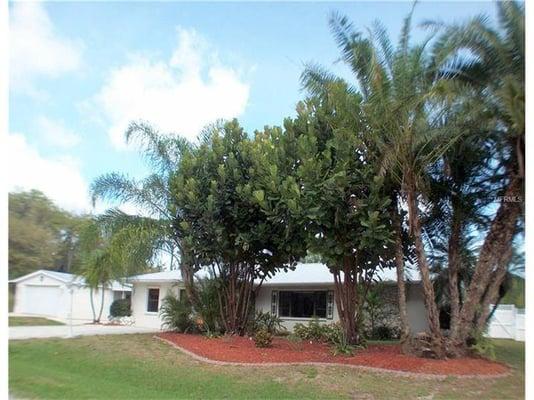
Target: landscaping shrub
340,345
268,321
177,314
120,308
329,333
207,309
384,332
300,331
482,346
314,330
263,338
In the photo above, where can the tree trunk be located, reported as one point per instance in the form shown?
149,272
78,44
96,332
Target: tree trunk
92,304
492,294
235,299
436,337
346,301
453,268
496,244
101,304
401,284
187,273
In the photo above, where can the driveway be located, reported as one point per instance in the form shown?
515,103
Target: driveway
64,331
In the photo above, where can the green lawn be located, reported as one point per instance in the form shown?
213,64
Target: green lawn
138,366
31,321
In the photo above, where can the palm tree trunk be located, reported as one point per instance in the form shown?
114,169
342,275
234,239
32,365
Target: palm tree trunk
428,289
401,284
101,304
453,268
492,294
496,246
92,304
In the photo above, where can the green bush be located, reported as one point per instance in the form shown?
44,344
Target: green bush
263,338
120,308
384,332
207,309
300,331
177,314
329,333
482,346
314,330
339,342
265,320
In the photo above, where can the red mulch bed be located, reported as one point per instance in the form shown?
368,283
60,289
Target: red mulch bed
242,350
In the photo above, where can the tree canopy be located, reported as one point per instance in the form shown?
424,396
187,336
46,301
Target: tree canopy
41,235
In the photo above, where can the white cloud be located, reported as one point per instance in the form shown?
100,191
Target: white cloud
60,178
179,96
55,133
36,49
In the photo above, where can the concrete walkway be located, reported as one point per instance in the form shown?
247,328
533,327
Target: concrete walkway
64,331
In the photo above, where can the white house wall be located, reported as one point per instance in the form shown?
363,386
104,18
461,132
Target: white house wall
142,317
415,305
81,303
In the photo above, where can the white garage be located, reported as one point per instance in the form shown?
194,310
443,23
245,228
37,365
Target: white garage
54,294
42,300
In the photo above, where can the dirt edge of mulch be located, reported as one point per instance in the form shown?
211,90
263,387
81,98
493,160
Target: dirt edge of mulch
383,371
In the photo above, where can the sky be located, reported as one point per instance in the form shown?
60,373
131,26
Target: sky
81,71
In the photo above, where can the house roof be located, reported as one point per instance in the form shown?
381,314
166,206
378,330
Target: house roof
304,273
318,273
67,278
163,276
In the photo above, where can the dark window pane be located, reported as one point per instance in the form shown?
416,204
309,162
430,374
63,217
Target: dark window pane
284,304
302,304
153,300
320,304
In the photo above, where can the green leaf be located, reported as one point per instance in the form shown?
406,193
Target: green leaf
259,195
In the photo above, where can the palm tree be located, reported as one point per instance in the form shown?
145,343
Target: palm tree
492,62
97,267
97,271
160,229
397,85
110,253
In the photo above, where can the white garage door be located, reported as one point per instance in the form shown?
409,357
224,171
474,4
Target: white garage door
42,300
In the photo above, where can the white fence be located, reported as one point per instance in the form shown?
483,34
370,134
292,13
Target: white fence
507,322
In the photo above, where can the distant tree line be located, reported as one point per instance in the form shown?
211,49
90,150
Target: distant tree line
41,235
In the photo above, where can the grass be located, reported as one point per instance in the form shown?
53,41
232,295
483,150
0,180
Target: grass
138,366
32,321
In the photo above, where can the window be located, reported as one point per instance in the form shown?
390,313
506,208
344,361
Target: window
153,300
274,302
302,304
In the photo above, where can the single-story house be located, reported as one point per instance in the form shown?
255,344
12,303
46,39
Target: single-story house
294,296
57,294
